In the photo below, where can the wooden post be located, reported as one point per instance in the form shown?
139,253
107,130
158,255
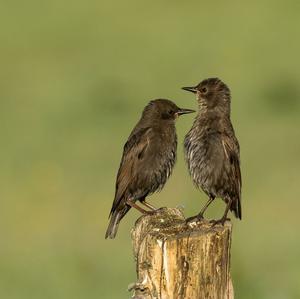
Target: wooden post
178,261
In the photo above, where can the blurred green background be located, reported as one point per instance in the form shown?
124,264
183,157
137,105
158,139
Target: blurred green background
74,78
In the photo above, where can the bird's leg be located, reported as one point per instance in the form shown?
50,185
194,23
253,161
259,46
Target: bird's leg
200,215
148,205
224,217
134,205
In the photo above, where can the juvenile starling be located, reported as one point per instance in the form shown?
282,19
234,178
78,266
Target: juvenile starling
148,159
212,150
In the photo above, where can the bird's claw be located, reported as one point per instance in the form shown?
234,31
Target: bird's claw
196,218
219,221
152,212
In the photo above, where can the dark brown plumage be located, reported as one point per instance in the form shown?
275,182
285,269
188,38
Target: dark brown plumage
211,148
148,159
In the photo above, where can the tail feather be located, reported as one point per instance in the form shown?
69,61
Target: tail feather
113,225
237,208
114,221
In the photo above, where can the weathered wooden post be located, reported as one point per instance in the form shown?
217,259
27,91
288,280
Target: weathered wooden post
176,260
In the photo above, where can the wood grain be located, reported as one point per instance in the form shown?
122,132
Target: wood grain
179,260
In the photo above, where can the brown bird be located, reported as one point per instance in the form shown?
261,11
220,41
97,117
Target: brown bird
148,159
211,149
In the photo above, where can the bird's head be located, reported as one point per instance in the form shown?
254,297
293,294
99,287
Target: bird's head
164,110
211,93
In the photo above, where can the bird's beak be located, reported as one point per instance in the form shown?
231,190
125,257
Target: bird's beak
190,89
184,111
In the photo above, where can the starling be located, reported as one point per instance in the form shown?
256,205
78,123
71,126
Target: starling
211,149
148,159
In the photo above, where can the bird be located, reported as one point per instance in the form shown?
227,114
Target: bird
211,149
148,158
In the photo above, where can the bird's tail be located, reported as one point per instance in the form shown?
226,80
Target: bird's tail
113,225
236,207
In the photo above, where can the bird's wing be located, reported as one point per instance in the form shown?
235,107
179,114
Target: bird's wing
231,150
134,151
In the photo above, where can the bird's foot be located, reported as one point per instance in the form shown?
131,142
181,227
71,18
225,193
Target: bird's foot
152,212
219,221
196,218
148,205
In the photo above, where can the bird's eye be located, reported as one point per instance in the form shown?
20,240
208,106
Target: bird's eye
170,112
203,89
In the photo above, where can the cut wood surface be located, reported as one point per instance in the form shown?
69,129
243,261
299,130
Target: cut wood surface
179,260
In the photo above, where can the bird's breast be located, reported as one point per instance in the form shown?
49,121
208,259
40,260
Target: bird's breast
195,150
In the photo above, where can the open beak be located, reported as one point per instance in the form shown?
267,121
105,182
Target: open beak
184,111
190,89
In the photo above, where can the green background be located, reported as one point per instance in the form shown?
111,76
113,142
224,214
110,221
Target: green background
74,78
